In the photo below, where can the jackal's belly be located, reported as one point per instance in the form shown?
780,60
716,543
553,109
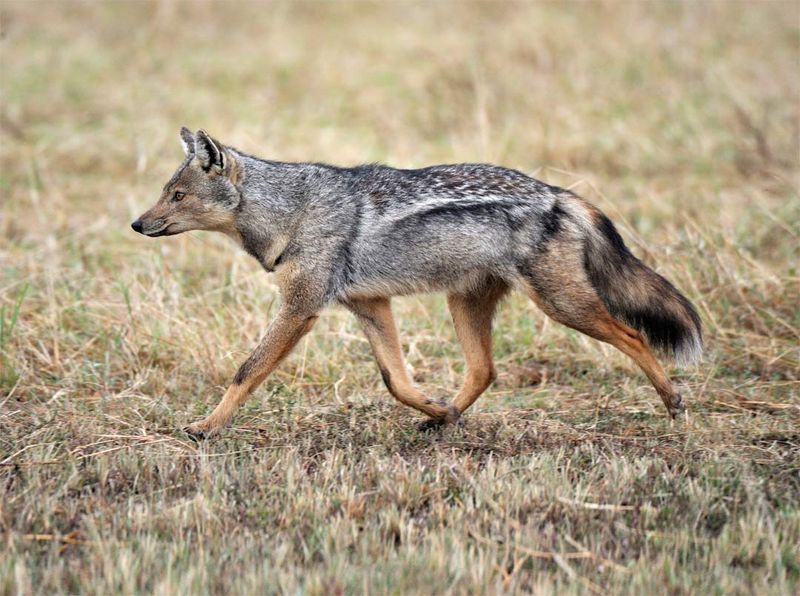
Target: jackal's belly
382,285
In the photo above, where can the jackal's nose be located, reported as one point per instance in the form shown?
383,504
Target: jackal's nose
137,226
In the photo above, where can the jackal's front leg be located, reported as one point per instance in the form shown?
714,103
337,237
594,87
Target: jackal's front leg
283,334
375,316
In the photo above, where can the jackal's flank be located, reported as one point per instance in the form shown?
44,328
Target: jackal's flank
357,236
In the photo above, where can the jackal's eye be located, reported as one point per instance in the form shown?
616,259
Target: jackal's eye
178,196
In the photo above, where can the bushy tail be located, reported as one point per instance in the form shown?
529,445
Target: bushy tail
640,297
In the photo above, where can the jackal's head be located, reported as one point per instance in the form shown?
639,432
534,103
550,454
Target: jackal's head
202,193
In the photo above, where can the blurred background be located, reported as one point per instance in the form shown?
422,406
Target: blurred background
680,120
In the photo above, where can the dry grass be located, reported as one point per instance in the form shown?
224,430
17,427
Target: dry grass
681,121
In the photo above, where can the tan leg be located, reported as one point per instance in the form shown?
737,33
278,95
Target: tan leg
282,335
472,316
375,316
588,315
629,341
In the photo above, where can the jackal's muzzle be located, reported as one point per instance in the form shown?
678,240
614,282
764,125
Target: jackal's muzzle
154,228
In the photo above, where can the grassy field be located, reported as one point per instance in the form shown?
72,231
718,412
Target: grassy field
678,120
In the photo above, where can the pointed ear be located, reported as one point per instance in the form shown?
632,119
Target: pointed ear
187,140
211,153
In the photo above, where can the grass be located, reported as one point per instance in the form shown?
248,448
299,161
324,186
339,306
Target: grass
679,120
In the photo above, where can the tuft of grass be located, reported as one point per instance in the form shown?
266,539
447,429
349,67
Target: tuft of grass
677,119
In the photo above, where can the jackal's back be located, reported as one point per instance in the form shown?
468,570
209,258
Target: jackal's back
443,227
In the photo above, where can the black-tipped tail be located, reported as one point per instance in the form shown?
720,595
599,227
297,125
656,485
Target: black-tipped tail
640,297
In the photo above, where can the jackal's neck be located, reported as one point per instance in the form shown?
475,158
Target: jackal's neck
272,198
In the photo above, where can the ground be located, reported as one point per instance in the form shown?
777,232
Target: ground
680,121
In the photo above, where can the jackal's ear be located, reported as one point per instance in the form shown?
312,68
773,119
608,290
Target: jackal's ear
210,152
187,140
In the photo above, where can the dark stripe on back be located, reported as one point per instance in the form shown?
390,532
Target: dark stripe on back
500,212
552,222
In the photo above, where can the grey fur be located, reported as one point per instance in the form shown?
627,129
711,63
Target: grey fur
378,230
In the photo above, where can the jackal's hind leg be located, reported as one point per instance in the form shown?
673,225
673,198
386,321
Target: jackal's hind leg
629,341
472,316
583,311
375,316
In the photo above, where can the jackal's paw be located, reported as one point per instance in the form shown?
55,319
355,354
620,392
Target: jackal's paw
450,417
676,406
202,430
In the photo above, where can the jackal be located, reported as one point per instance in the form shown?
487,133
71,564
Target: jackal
358,236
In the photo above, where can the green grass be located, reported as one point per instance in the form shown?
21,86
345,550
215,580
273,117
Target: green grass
678,120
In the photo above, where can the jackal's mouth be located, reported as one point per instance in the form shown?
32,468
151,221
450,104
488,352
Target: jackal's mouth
163,231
